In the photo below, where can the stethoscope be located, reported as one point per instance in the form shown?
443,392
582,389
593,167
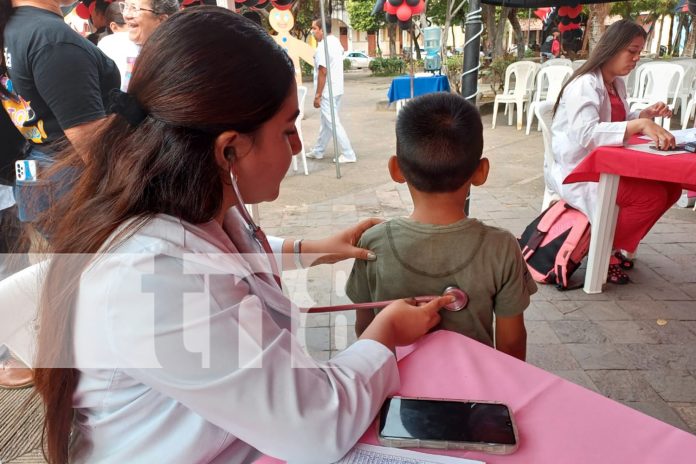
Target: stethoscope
461,299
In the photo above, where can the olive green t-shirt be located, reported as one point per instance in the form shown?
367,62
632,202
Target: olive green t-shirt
416,259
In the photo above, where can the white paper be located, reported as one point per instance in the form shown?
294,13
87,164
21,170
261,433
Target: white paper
681,136
370,454
645,147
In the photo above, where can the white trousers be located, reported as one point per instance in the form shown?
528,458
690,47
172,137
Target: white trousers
325,132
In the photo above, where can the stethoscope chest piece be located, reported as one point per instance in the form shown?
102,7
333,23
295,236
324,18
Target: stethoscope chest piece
461,299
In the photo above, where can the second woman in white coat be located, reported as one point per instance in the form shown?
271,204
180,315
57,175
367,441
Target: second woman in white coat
591,111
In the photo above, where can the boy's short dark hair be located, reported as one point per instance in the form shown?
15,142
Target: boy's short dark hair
439,141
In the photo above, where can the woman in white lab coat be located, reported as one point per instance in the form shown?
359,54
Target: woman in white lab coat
160,340
591,111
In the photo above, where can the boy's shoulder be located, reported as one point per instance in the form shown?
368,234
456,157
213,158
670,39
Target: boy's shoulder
465,227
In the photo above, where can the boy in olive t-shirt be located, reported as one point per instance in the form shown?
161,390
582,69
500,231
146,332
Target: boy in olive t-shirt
439,141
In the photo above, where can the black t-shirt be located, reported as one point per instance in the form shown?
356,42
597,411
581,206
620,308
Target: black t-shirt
63,79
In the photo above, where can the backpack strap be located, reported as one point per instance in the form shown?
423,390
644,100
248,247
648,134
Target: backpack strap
569,244
551,216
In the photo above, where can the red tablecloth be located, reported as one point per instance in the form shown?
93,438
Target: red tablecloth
680,169
558,421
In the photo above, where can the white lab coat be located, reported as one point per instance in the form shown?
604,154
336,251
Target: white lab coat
581,124
258,391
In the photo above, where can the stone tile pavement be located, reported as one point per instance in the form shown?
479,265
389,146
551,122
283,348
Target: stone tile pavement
635,344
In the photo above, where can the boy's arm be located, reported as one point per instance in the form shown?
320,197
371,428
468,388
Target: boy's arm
511,336
358,290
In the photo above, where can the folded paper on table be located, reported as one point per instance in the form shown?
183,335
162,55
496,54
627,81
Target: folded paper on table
370,454
645,147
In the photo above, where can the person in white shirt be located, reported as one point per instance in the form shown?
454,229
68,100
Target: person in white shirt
321,96
591,111
118,46
164,336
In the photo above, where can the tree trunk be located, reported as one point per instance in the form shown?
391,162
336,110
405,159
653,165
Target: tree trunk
598,14
659,35
490,26
519,35
671,34
498,47
414,41
391,31
690,42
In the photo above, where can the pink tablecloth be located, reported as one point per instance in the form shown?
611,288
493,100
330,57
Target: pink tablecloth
558,421
679,169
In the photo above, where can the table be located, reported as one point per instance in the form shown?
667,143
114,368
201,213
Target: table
558,421
400,88
607,165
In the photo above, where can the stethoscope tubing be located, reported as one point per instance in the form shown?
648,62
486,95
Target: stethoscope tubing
370,305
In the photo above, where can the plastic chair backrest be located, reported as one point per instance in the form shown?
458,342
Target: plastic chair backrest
557,62
552,79
522,71
577,63
544,112
655,77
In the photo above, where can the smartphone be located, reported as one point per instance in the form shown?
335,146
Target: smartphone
447,424
25,170
678,147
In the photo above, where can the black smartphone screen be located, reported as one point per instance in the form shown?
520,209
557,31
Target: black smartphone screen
678,147
446,421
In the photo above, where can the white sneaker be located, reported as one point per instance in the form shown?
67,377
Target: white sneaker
343,160
313,155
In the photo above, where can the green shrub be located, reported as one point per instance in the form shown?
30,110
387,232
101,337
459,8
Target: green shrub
346,63
387,66
498,67
454,66
307,69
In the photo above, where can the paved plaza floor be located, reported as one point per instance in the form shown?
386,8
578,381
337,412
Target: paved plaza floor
635,343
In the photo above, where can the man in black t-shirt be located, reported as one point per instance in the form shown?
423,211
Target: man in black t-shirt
62,79
61,84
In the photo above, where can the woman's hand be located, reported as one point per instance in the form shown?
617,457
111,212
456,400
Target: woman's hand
663,139
402,323
658,110
340,246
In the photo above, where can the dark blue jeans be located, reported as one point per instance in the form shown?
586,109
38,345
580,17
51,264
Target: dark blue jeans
35,197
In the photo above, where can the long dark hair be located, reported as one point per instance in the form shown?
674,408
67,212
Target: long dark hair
204,70
617,37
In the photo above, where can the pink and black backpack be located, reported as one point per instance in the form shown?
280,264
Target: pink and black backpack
555,243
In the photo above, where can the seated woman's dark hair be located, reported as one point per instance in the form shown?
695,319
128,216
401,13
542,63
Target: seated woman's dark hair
204,71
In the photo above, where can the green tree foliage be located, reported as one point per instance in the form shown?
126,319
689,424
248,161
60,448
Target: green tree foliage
303,11
437,12
361,18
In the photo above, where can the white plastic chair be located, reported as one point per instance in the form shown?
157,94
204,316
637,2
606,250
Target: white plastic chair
544,112
632,78
550,80
657,83
557,62
301,94
523,72
577,63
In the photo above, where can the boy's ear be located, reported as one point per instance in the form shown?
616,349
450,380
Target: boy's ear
395,170
481,173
